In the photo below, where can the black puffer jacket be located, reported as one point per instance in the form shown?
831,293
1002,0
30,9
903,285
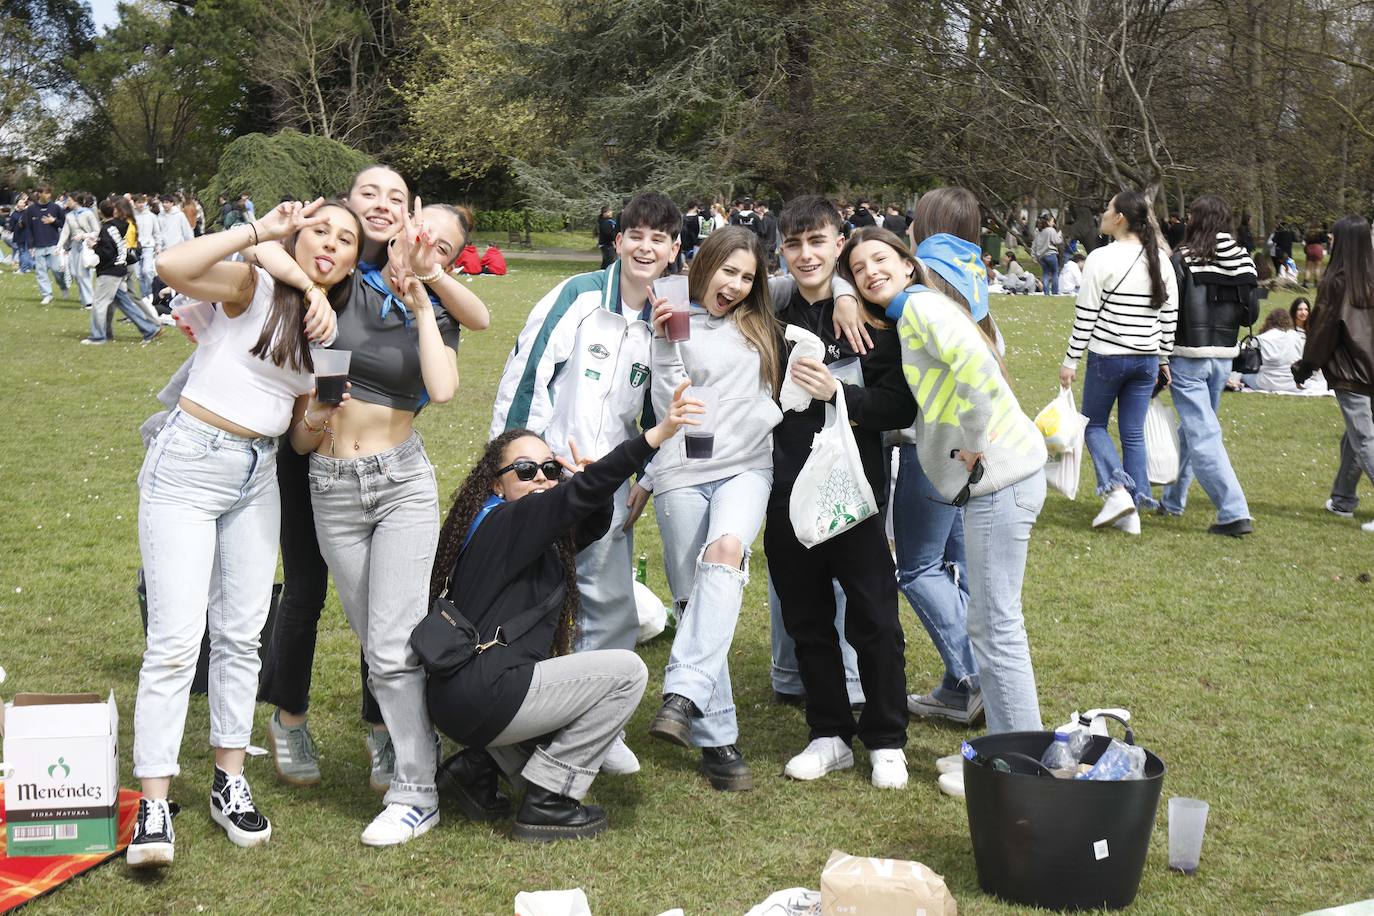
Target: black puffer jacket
1340,342
1214,300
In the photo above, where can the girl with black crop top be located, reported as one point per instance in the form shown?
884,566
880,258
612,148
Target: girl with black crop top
373,490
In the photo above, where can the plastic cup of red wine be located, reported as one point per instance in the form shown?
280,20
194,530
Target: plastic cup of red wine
701,439
674,289
331,374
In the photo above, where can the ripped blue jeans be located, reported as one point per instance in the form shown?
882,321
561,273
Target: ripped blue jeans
691,520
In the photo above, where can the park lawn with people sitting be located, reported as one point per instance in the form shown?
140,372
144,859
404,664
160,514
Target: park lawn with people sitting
1244,663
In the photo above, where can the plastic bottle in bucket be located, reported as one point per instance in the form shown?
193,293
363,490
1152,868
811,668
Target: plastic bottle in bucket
1062,756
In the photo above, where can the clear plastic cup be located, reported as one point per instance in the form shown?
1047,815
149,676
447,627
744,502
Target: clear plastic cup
1187,821
701,439
199,317
850,371
331,374
674,289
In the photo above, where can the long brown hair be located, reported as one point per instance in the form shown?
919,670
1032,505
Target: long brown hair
1134,207
467,502
754,314
872,314
1349,278
283,338
1207,215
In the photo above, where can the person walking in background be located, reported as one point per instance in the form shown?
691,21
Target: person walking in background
172,225
1314,247
146,221
1216,295
605,236
1340,342
80,231
1045,249
1125,318
43,218
111,273
1284,237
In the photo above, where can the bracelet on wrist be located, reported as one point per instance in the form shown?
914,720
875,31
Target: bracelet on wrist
305,419
310,286
427,280
253,229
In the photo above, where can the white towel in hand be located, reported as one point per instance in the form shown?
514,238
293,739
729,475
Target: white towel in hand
793,396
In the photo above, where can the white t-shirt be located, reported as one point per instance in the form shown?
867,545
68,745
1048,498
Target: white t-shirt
1279,349
227,380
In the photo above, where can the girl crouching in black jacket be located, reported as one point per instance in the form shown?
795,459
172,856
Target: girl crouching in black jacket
507,559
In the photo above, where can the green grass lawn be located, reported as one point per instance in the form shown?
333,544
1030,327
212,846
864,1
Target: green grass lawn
1246,664
581,240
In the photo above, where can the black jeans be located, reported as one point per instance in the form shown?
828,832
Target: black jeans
305,581
860,560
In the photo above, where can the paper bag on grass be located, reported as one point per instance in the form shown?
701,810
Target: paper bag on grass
855,886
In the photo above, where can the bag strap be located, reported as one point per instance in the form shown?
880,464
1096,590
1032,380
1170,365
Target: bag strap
514,629
1112,291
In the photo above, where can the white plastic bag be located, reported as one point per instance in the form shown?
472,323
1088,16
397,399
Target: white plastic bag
831,494
1060,423
653,616
1062,470
552,903
1161,443
792,396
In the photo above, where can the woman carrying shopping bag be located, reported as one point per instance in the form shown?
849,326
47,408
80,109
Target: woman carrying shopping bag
1125,318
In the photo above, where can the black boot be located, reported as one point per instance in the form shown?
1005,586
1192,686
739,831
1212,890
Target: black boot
673,722
470,777
726,769
546,816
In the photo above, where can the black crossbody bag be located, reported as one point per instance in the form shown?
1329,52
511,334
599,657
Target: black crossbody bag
445,640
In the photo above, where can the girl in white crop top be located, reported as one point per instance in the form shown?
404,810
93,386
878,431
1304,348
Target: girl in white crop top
209,513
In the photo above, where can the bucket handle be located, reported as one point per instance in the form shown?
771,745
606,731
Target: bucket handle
1130,735
1019,763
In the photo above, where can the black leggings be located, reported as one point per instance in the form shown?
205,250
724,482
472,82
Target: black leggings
305,581
860,560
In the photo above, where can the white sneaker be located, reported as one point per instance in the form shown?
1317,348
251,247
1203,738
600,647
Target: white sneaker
1128,523
1117,504
954,763
620,760
823,755
399,824
45,300
889,768
1368,526
1343,513
952,784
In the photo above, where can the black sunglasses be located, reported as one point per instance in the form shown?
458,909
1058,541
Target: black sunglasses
974,476
525,469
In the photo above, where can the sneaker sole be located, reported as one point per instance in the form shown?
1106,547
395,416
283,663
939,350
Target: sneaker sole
303,782
150,855
1104,522
885,784
420,830
240,837
672,730
548,833
843,763
945,713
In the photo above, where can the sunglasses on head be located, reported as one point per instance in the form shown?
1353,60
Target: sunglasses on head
974,476
525,469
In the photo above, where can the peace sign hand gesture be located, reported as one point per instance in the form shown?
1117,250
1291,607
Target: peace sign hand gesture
289,217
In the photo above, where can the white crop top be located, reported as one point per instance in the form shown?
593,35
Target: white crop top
226,379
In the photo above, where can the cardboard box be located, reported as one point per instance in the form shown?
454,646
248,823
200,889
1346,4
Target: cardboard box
854,886
62,789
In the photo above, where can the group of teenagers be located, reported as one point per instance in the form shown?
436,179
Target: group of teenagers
536,549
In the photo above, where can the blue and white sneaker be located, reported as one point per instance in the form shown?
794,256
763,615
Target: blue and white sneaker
399,824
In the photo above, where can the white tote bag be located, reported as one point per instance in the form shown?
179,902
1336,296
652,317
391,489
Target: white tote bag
1161,443
831,494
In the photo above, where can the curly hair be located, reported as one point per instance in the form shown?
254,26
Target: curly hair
467,502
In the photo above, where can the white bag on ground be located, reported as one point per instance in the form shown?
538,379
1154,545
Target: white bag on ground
653,616
831,494
795,901
1161,443
552,903
792,396
1062,471
1060,423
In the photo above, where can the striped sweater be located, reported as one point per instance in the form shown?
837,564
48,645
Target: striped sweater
1114,316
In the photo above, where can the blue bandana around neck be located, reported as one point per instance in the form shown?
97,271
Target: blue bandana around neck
372,276
491,502
959,263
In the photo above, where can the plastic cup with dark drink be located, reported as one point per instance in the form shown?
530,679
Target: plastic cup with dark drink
674,289
331,374
701,439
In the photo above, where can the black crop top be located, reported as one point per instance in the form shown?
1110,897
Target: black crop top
385,368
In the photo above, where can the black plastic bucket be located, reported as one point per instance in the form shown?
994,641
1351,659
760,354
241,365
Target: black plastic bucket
1063,844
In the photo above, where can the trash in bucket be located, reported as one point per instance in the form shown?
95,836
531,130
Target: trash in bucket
1057,843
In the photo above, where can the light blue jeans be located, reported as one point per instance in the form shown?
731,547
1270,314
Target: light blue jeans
932,573
208,522
83,276
1357,449
1196,388
997,529
610,619
786,674
45,260
377,521
690,519
147,271
109,294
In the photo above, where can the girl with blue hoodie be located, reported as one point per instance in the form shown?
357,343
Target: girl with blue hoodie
976,446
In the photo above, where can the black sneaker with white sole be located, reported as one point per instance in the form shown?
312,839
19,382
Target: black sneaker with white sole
231,806
154,838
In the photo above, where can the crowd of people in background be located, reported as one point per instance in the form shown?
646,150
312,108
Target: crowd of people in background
535,554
